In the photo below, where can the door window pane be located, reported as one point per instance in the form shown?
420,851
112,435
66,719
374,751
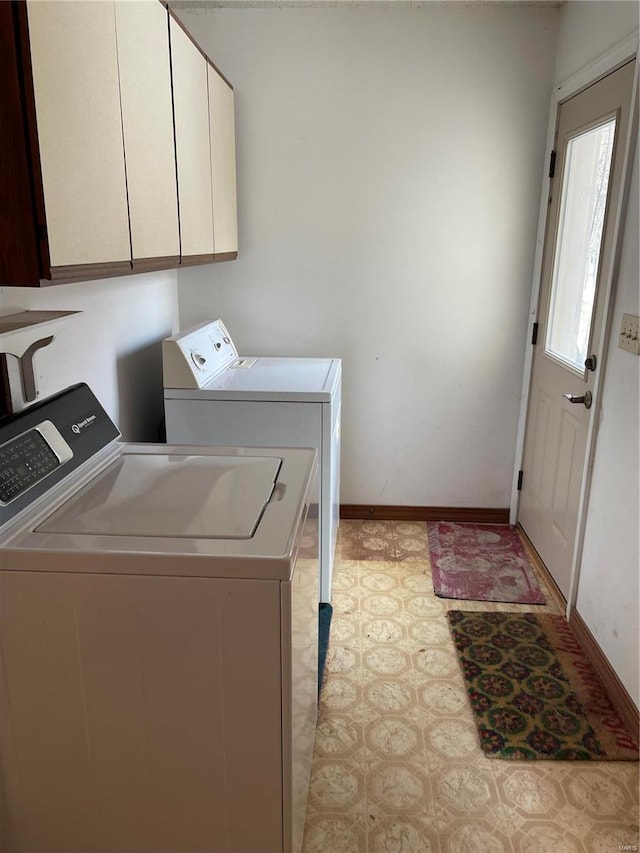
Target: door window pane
582,209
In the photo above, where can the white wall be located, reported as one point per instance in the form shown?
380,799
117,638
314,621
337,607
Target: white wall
389,170
114,345
588,29
608,597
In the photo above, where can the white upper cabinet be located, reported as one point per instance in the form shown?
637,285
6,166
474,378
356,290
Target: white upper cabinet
193,155
120,149
147,120
223,163
75,77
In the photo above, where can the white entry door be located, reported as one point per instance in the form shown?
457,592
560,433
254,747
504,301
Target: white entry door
590,144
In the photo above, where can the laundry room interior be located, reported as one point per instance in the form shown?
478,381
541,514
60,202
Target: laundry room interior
392,164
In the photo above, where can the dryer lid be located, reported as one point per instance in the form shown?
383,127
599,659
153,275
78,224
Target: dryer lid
171,495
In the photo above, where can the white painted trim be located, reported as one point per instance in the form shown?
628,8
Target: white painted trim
533,309
589,74
604,64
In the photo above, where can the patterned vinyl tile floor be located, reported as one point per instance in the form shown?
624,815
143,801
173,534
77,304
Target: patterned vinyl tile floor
397,767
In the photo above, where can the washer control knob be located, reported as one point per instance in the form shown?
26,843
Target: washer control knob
198,360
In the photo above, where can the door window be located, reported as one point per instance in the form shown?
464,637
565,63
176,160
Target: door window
584,195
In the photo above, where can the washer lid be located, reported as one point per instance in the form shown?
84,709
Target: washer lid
170,495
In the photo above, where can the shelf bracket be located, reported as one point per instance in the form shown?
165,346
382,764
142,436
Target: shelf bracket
22,334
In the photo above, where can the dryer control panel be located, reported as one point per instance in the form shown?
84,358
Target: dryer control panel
193,358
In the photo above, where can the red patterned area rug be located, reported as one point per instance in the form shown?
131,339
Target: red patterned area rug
533,691
481,562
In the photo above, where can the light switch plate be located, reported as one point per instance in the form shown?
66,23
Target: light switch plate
629,337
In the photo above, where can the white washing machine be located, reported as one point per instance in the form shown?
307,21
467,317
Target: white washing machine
213,396
158,639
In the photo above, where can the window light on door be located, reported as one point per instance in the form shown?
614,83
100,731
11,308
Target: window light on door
585,185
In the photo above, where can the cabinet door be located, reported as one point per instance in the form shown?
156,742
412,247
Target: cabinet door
147,120
75,78
223,164
193,154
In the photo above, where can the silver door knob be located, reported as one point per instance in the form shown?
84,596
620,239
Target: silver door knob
586,399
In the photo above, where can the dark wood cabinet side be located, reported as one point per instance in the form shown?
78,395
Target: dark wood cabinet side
5,394
33,148
19,263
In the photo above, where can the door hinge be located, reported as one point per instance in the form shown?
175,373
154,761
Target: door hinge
534,335
519,486
552,164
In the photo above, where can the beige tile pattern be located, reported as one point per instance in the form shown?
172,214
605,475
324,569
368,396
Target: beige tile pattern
397,766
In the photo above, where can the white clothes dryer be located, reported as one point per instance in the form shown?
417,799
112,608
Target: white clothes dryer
213,396
158,639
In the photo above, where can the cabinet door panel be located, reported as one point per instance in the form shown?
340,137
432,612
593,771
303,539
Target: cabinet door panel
193,154
147,118
223,164
75,78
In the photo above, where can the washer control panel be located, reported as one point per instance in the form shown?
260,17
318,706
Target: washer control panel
193,358
29,458
44,444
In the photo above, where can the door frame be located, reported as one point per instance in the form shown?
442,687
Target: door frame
600,67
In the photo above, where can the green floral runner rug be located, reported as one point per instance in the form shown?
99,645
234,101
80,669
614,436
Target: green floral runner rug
533,692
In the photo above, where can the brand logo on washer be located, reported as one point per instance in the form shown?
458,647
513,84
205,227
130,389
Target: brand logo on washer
82,424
